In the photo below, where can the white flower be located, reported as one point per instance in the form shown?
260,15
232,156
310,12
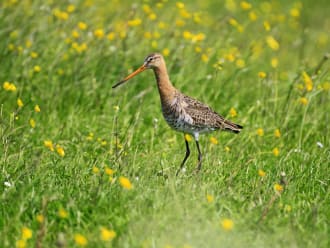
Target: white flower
7,184
319,144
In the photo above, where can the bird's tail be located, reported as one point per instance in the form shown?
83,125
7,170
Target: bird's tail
232,127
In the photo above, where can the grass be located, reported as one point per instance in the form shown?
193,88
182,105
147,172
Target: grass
262,65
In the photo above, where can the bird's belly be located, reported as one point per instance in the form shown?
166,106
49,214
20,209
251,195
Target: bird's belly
184,123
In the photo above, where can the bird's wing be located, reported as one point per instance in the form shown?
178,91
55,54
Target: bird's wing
205,117
202,114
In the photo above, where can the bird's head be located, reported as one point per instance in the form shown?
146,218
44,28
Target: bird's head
152,61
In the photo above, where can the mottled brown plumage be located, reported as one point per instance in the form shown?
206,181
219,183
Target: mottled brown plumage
181,112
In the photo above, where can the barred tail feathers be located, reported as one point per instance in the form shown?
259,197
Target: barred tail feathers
231,127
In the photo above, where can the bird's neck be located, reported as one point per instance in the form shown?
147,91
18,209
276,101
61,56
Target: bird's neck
165,87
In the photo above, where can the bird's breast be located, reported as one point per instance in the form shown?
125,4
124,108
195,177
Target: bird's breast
175,115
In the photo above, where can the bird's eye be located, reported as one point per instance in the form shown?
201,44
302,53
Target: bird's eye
150,59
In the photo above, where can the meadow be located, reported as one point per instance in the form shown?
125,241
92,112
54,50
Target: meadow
85,165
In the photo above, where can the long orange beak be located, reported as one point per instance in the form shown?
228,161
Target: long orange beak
141,69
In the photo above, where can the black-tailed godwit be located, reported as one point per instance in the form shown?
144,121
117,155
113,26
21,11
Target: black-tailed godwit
181,112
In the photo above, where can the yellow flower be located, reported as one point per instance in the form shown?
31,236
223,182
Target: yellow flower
278,187
107,235
308,81
209,198
325,86
277,133
303,100
205,58
240,28
152,16
253,16
146,9
179,23
90,136
82,25
20,102
245,5
99,33
156,35
96,170
266,25
14,34
134,22
40,218
198,37
197,18
188,137
60,150
272,43
109,171
63,15
260,132
11,47
111,36
62,213
261,173
37,68
185,14
233,22
198,49
233,112
294,12
274,62
276,151
20,243
147,35
49,145
227,224
287,208
262,74
227,148
166,52
80,240
231,5
180,5
34,55
9,86
159,5
187,35
240,63
32,123
116,108
230,57
71,8
322,40
28,43
162,25
154,44
300,87
75,34
26,233
125,183
214,140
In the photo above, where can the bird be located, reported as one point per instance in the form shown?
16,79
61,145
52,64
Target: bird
181,112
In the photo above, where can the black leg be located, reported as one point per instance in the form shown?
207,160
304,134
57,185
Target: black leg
199,165
185,157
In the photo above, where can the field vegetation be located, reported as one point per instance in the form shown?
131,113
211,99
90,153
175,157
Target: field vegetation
85,165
